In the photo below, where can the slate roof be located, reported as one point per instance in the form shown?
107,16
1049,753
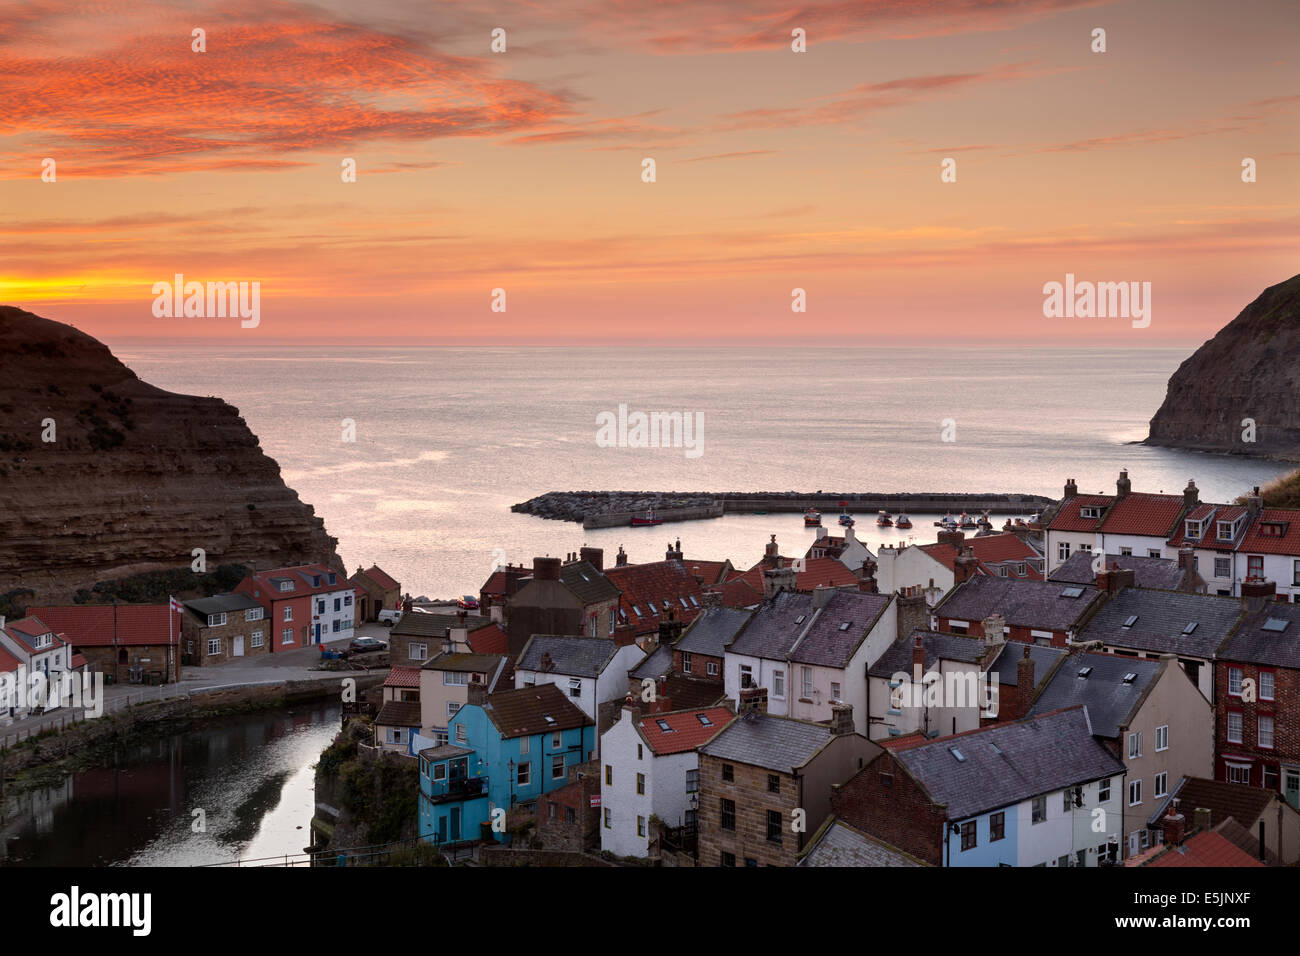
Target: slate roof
399,713
1163,573
827,642
655,665
220,604
1224,800
1161,618
685,729
1033,604
1044,658
420,624
765,740
775,626
948,647
571,656
522,712
1110,700
465,663
587,584
1255,645
709,633
838,844
1037,755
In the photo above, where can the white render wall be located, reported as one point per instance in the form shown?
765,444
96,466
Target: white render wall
665,787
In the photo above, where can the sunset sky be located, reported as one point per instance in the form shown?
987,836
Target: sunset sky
775,169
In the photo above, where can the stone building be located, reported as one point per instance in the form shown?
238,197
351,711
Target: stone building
220,628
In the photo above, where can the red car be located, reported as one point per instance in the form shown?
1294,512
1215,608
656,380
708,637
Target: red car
468,602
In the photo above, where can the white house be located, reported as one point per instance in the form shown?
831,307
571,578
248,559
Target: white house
958,666
650,767
38,649
847,550
1126,523
953,558
590,670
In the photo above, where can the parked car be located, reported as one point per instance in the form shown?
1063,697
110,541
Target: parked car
360,645
469,603
388,617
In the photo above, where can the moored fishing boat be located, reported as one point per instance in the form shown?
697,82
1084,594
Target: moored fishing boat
885,520
811,518
902,521
643,521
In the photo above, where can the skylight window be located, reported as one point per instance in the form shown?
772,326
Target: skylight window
1130,620
799,619
694,603
1084,672
1130,677
844,626
1191,626
636,610
704,720
684,604
961,758
663,725
548,718
1072,592
1276,624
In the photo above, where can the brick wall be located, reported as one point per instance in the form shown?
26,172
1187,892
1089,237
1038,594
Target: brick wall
882,800
1286,730
749,791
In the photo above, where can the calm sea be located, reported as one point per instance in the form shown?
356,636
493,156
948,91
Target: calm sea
448,439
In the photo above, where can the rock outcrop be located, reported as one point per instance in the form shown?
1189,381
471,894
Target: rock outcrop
1250,370
135,478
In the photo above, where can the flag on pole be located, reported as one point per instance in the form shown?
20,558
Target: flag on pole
176,605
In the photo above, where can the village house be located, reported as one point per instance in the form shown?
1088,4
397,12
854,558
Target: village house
1270,551
650,592
13,705
811,651
1258,813
749,589
1165,574
36,646
445,684
837,844
419,636
701,650
765,783
590,671
220,628
1010,794
1257,690
1206,846
650,772
563,598
1127,523
1021,672
953,558
129,643
374,590
1036,612
495,592
1149,714
897,702
846,548
505,751
1211,534
1139,623
399,714
306,604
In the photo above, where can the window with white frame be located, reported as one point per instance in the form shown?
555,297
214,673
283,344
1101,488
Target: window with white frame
417,652
1135,744
1265,685
288,613
778,685
1265,730
575,687
557,767
1162,738
523,773
1234,726
440,771
807,677
1234,681
452,708
455,678
461,735
1238,773
640,826
1103,790
711,668
555,741
1063,550
835,691
255,639
525,745
746,675
1162,785
686,662
1222,567
217,620
1134,792
214,645
1153,553
286,636
254,614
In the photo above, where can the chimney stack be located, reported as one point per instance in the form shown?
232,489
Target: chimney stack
1191,495
620,560
1254,501
772,553
918,659
841,719
1172,823
546,569
1024,684
674,552
1256,593
594,556
913,612
1071,489
1114,579
1202,818
952,536
1122,485
624,633
753,700
821,595
966,566
995,630
776,580
476,694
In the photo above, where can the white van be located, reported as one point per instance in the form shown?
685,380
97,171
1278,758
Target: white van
389,617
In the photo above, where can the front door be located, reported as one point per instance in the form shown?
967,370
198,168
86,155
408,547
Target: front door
239,646
317,632
455,824
442,829
1293,788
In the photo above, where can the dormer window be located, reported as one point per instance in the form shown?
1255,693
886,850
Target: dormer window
1193,529
216,620
334,579
1273,529
286,585
1089,511
1227,530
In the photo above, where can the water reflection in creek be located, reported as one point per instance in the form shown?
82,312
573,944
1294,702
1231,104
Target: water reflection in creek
251,777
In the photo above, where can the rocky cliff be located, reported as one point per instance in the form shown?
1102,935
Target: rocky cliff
1250,370
135,477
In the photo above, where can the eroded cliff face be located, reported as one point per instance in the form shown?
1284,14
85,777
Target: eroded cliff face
1250,370
136,477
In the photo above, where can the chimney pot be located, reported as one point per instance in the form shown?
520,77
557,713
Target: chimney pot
1202,818
1173,823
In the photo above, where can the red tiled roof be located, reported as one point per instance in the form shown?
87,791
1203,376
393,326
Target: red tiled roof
687,731
1203,849
489,640
647,585
1211,514
990,549
78,661
817,573
1288,543
377,574
92,625
262,582
708,572
403,677
8,662
738,592
26,629
1068,518
1141,513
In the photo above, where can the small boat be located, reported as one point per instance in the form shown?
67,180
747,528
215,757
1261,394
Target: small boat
885,521
811,518
902,521
966,522
985,523
846,519
947,522
642,521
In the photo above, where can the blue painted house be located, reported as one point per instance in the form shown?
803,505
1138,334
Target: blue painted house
502,752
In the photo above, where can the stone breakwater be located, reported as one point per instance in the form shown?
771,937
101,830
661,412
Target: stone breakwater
612,508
